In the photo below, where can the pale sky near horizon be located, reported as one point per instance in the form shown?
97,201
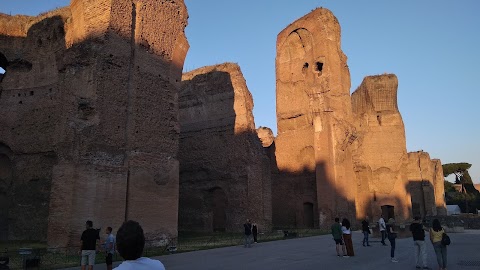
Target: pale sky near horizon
432,47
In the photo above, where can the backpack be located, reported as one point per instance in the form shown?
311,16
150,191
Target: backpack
445,239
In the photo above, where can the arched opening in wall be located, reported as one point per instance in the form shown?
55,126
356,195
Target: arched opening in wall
388,211
6,175
308,221
219,203
3,66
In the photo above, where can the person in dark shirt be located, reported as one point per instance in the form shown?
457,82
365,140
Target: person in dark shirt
248,233
418,233
337,237
254,231
88,245
366,231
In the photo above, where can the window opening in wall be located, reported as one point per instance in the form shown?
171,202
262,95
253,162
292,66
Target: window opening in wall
305,68
318,68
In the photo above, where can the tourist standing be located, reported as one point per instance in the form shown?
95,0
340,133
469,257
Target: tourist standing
337,237
392,235
130,245
366,231
248,233
436,233
383,229
88,245
420,248
109,247
347,237
254,231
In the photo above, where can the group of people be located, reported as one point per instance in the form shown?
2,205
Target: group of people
251,233
343,241
129,242
343,237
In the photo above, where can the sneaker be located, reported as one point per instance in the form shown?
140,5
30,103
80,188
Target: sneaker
394,260
346,256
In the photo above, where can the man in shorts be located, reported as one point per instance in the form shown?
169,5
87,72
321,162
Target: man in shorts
88,243
337,236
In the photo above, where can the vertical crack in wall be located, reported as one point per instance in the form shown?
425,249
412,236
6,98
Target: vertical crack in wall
128,120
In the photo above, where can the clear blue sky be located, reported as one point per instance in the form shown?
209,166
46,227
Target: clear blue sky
432,46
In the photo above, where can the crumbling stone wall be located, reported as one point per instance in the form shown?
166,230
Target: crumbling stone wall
224,172
314,119
93,87
380,156
427,184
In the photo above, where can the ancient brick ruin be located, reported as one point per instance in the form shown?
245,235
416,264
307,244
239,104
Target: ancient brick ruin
97,122
89,118
339,155
224,172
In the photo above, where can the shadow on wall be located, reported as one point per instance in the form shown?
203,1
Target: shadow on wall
224,173
28,120
422,194
71,116
294,199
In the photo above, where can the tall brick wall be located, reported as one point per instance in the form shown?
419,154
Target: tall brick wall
224,172
380,155
98,94
314,118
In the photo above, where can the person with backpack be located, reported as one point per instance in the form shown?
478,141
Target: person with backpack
436,235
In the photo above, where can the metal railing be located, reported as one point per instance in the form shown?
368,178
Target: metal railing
55,258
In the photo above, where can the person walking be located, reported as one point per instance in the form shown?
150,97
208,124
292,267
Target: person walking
248,233
347,237
254,231
366,231
383,229
391,235
337,237
436,233
420,248
88,243
109,247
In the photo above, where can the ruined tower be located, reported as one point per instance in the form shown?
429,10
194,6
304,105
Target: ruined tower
90,101
224,172
314,118
380,152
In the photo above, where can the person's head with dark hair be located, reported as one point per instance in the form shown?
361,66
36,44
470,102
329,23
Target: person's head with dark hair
89,224
109,230
130,240
337,219
346,223
436,225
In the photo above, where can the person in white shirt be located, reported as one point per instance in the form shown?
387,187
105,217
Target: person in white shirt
383,227
347,237
130,244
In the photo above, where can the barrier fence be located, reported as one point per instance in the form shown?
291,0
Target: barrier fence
56,258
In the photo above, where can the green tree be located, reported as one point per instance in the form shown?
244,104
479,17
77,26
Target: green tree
463,167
